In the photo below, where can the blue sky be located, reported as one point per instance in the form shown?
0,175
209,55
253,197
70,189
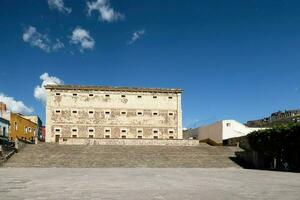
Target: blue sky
234,59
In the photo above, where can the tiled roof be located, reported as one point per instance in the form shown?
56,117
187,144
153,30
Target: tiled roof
111,88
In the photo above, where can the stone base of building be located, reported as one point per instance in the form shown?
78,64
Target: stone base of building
149,142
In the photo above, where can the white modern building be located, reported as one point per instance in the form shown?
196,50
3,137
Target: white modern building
4,125
217,132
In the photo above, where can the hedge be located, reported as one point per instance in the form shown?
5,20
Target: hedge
281,143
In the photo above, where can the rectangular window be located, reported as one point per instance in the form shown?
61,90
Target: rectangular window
91,112
16,126
139,113
171,137
107,136
170,97
154,97
171,132
107,95
171,113
228,124
155,131
74,111
74,136
57,94
107,112
123,95
91,95
74,130
123,136
155,113
57,130
139,96
107,130
139,137
57,111
123,113
91,136
91,130
74,95
29,129
140,131
155,137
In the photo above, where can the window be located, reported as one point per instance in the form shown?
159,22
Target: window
107,136
74,111
57,130
91,95
155,131
123,131
74,95
74,130
57,94
171,137
123,95
170,97
74,136
139,113
29,129
91,136
123,113
171,131
16,126
107,95
91,112
91,130
139,131
107,112
139,96
139,137
171,114
123,137
155,113
155,137
107,130
228,124
25,129
57,111
154,97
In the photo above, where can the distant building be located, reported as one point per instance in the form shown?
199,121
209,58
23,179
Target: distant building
277,118
112,112
22,128
43,132
217,132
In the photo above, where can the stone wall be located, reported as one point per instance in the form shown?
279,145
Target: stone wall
150,142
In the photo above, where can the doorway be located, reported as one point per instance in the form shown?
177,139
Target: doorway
57,138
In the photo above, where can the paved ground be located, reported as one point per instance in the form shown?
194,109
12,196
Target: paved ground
82,156
140,183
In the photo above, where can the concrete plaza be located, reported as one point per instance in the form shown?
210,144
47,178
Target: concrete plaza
146,183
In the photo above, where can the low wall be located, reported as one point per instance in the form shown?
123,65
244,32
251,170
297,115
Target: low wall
150,142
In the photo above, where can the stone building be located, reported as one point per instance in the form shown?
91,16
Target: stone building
74,111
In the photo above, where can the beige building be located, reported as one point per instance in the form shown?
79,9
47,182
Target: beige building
74,111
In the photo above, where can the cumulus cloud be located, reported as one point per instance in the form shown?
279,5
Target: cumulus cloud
136,36
42,41
40,91
59,5
82,37
105,11
14,105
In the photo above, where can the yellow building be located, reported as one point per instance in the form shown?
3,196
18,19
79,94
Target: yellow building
22,128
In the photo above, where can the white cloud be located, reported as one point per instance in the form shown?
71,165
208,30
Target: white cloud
136,36
59,5
40,91
82,37
106,12
42,41
15,106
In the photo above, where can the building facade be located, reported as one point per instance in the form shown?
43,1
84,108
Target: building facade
222,130
38,121
112,112
4,127
22,128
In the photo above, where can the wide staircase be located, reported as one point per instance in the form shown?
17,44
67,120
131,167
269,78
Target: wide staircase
81,156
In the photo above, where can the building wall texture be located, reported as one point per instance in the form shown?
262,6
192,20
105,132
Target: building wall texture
114,112
22,128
